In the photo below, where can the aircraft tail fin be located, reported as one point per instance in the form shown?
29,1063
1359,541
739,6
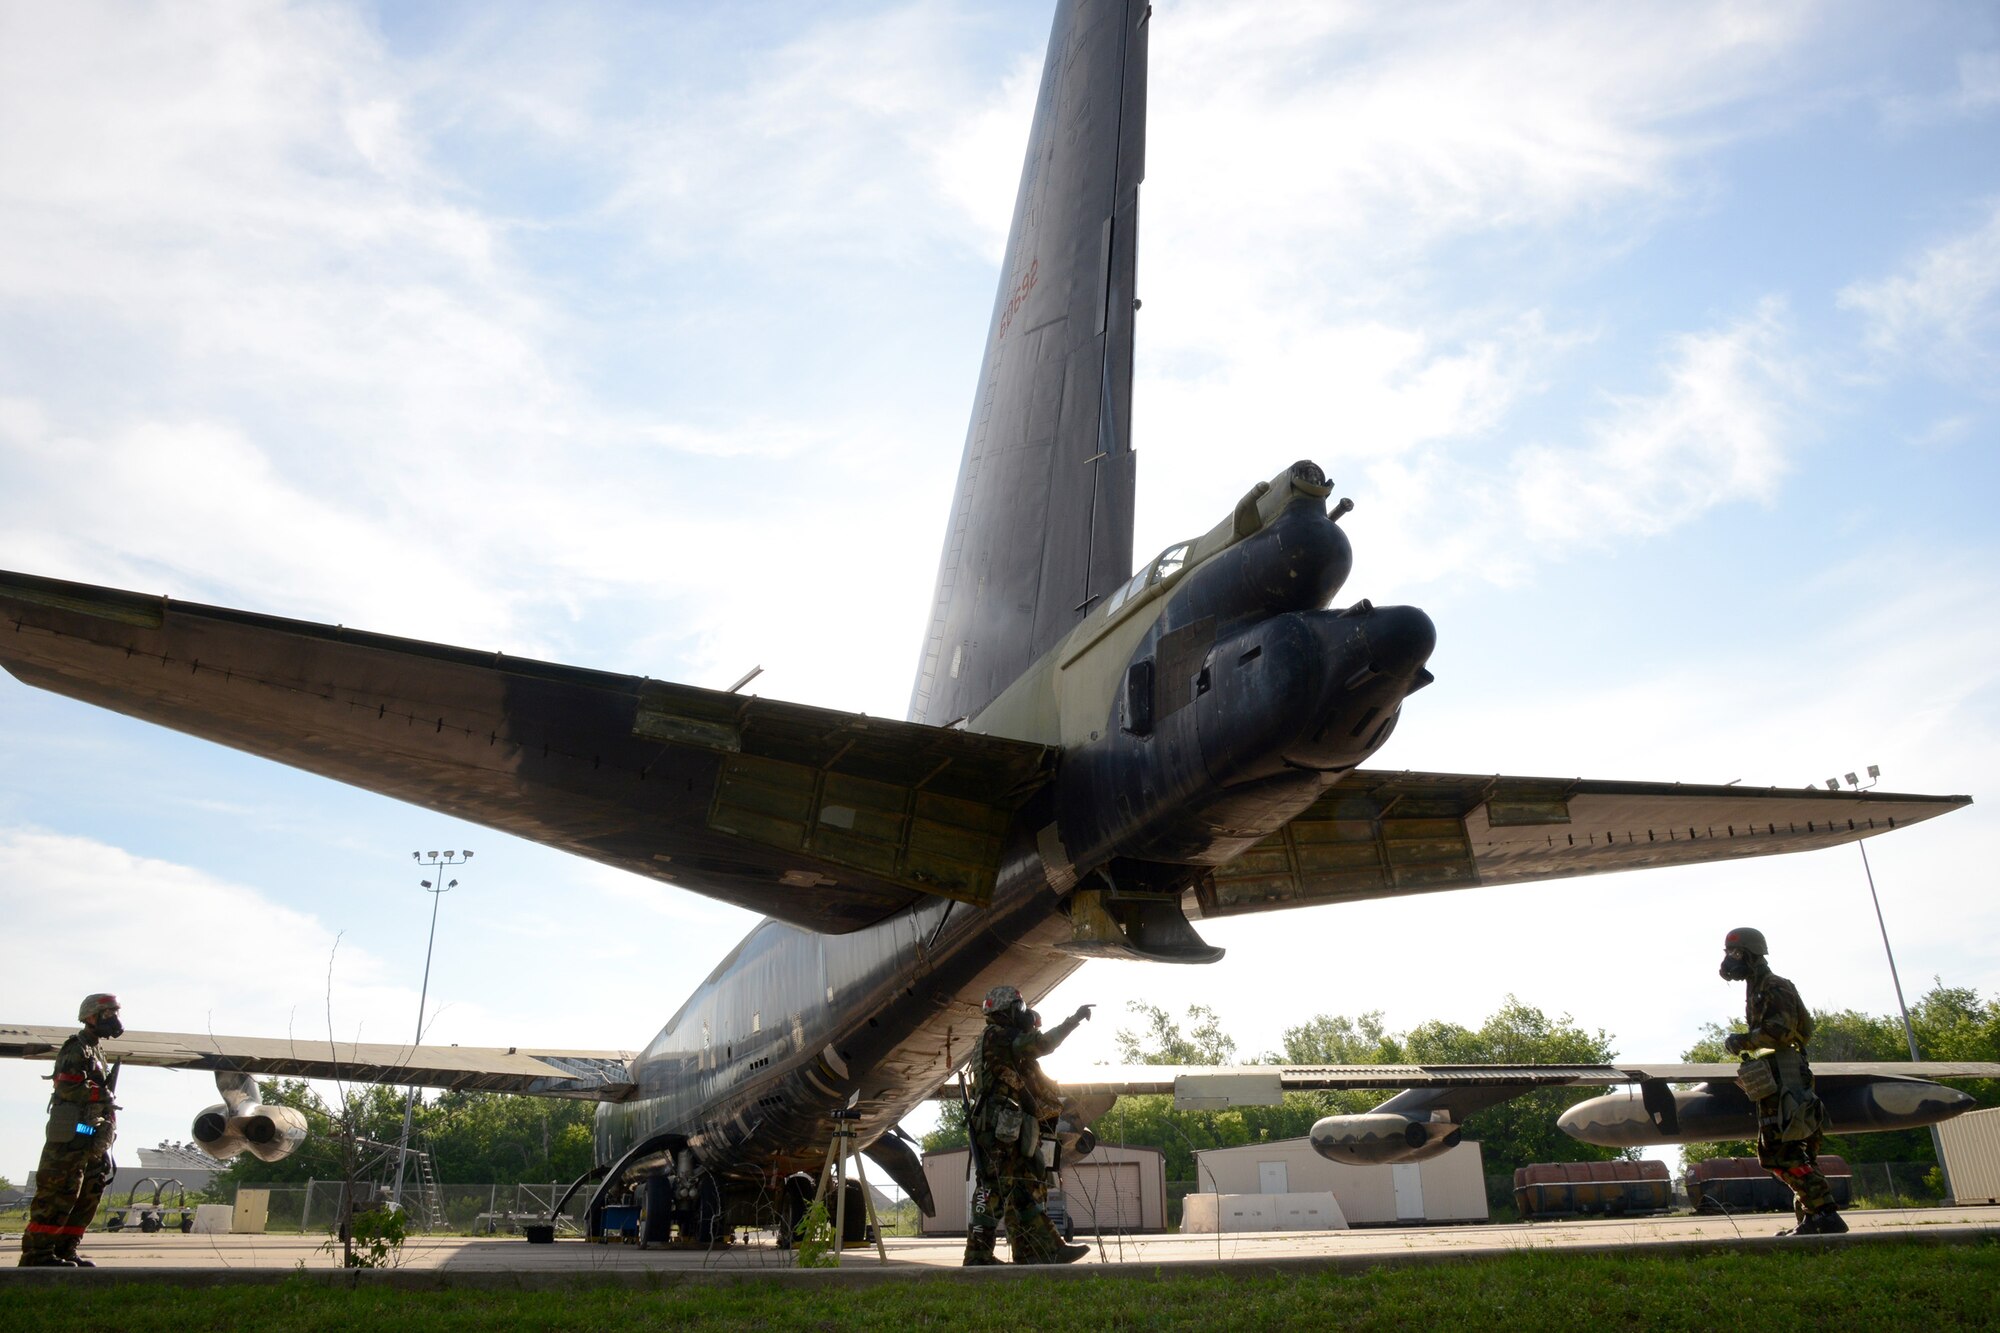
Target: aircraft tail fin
1041,523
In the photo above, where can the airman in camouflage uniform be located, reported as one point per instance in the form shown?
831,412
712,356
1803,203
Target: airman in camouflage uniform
76,1159
1006,1129
1791,1120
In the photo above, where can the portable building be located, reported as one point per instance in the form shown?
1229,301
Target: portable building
1972,1155
1450,1187
1113,1189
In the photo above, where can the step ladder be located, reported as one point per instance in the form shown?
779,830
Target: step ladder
430,1199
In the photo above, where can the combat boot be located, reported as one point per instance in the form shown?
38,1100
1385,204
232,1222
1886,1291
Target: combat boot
73,1259
44,1261
1825,1222
979,1248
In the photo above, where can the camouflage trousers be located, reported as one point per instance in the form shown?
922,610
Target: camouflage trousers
1015,1188
68,1183
1796,1163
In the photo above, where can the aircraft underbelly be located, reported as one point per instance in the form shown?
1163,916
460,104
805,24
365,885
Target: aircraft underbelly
884,1016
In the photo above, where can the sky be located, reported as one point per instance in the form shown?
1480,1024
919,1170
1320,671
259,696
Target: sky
1656,345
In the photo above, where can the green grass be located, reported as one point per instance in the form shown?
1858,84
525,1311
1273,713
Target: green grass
1891,1286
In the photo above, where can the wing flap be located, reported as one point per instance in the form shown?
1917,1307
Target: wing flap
587,1075
1381,834
825,819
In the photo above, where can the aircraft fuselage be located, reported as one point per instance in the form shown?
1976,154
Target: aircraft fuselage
1208,703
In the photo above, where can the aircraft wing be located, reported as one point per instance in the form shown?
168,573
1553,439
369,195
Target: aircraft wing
1672,1103
1381,834
587,1075
1218,1087
824,819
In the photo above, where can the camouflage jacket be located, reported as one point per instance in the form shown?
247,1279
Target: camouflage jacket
81,1080
1775,1015
1007,1064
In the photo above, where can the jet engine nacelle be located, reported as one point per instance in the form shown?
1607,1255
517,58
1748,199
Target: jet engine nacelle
1657,1114
1381,1137
239,1123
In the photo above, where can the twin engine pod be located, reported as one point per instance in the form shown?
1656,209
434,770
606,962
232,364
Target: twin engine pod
241,1124
1378,1138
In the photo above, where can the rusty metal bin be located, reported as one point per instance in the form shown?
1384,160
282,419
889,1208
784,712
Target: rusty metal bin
1740,1185
1592,1189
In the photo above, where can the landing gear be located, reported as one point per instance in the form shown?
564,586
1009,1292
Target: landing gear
704,1223
856,1232
794,1199
670,1213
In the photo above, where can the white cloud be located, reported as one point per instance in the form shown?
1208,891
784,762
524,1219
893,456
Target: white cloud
1946,432
1331,146
1975,91
832,144
1716,435
1429,436
1941,306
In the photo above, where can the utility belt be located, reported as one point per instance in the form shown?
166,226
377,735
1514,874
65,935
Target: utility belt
1780,1082
1010,1124
91,1125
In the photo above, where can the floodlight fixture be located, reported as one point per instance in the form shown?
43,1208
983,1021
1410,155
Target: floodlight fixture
437,888
1833,784
1909,1032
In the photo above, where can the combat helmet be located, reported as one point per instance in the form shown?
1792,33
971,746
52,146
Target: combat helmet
1748,940
1002,1002
96,1006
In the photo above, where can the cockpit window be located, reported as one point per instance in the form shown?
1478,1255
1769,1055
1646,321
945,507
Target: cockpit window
1126,592
1165,566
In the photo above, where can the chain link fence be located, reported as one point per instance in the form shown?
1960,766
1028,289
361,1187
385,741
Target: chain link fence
1896,1185
469,1210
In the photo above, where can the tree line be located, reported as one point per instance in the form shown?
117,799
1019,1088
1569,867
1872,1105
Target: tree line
472,1137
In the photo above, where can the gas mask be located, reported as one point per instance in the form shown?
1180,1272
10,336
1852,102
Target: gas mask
1735,965
109,1026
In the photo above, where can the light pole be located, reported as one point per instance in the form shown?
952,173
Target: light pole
437,888
1909,1033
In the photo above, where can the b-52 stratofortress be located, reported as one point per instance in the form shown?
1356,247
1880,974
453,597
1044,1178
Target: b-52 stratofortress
1098,756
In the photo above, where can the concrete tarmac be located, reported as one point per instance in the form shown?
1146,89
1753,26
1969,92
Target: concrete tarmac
202,1259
